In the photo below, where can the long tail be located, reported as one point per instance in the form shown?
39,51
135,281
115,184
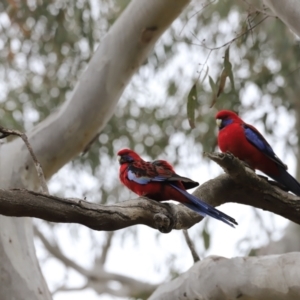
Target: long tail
204,209
288,181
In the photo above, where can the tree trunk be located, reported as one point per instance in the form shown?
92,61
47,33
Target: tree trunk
65,133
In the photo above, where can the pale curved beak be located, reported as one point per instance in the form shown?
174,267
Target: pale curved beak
119,158
219,122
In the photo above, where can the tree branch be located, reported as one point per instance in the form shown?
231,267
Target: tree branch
98,278
4,132
240,185
273,277
162,216
191,245
105,249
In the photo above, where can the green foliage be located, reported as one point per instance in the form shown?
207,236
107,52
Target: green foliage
214,90
206,238
226,72
191,105
47,46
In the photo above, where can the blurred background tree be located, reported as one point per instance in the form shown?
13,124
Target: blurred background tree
45,46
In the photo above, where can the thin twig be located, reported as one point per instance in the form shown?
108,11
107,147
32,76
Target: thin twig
65,288
205,63
191,245
234,39
258,10
226,44
99,277
6,132
262,223
196,13
55,250
106,247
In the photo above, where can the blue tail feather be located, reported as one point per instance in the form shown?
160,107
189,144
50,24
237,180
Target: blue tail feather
204,209
288,181
214,215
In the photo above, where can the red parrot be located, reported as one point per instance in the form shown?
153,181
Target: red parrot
157,180
246,143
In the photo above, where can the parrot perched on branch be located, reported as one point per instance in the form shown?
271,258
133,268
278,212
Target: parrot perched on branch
157,180
246,143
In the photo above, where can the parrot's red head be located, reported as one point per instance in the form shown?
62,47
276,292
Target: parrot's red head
127,156
226,117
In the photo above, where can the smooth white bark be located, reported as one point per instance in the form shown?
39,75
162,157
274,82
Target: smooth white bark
66,132
125,47
288,11
273,277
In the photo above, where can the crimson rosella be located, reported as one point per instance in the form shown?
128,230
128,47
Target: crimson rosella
157,180
246,143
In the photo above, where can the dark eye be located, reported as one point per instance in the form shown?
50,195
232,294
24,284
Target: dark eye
125,159
225,122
